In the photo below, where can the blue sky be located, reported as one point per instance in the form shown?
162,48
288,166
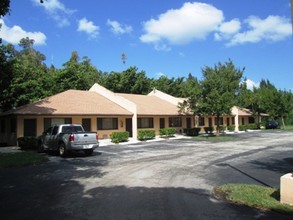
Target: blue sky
161,37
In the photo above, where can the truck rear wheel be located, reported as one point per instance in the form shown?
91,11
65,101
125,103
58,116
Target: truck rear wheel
62,150
88,152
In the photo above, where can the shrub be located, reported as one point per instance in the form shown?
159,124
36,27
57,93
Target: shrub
252,127
28,143
117,137
242,127
167,132
209,129
222,128
146,135
231,127
191,131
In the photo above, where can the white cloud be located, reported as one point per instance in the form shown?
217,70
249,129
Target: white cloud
227,29
14,34
88,27
57,11
273,28
181,26
118,28
159,74
251,84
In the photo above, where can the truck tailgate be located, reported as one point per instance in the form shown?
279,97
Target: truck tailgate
85,138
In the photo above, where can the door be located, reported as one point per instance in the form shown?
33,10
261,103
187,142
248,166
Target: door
53,140
86,124
210,122
30,127
188,122
162,123
47,135
129,126
228,121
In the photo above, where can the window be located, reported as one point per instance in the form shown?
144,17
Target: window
233,121
201,121
145,123
175,122
243,121
48,122
71,129
251,120
220,121
107,123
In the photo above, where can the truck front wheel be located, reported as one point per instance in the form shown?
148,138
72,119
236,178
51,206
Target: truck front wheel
62,150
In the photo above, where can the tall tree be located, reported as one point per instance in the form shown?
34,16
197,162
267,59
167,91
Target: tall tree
220,86
75,74
128,81
30,79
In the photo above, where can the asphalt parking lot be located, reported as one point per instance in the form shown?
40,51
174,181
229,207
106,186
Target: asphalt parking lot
170,179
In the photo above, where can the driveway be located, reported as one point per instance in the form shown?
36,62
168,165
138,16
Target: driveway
170,179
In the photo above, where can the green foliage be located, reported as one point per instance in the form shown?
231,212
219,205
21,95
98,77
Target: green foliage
222,128
4,7
27,143
248,127
146,135
167,132
264,198
129,81
117,137
231,127
191,131
209,129
242,128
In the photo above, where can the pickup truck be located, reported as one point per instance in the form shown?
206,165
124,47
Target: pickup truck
68,137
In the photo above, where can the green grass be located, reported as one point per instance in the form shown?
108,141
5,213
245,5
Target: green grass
264,198
288,128
221,138
20,159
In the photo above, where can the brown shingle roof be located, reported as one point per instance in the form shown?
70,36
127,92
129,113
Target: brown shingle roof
151,105
73,102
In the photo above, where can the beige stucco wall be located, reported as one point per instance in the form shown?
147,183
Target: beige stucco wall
9,138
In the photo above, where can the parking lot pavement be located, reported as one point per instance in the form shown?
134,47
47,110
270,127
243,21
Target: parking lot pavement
168,179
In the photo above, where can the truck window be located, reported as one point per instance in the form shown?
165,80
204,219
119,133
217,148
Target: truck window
71,129
48,131
55,130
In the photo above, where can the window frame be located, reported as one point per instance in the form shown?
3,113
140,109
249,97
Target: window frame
145,122
175,122
101,124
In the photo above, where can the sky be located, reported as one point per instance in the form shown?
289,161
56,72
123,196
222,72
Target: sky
161,37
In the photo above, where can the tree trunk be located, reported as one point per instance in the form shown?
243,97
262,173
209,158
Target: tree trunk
283,122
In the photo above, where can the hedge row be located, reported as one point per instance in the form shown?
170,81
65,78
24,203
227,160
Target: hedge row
248,127
231,127
27,143
146,135
167,132
208,129
117,137
191,131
